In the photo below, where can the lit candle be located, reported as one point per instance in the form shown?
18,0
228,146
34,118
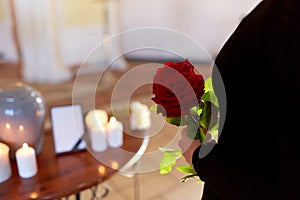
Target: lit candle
101,170
96,121
139,116
114,165
114,133
26,161
98,139
96,118
5,169
7,126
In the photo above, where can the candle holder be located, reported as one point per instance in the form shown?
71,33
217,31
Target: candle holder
22,113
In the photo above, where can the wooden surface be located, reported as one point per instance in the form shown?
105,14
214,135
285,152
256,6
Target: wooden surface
62,175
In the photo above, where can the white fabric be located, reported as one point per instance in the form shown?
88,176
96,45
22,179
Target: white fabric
37,32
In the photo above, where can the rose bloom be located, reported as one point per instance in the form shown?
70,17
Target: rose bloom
177,88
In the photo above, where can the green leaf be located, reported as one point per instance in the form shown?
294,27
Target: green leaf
178,121
209,94
208,84
199,111
194,109
186,169
213,98
166,164
206,115
153,107
188,177
202,136
215,131
177,153
206,97
193,124
169,159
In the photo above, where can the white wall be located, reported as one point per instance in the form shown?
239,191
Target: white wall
76,43
208,22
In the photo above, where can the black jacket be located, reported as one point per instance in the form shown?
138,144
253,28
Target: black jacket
257,156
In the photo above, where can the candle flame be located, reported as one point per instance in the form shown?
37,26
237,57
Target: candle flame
38,113
19,84
7,126
25,146
113,120
96,119
21,128
34,195
113,123
115,165
101,170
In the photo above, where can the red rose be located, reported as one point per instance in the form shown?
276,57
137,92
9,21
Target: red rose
177,88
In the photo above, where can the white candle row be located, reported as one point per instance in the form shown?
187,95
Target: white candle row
26,162
103,133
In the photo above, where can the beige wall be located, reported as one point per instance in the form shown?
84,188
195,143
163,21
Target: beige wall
82,12
75,12
1,11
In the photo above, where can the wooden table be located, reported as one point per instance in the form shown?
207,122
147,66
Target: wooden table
63,175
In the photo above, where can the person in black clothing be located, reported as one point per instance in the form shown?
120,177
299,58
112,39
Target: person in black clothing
257,155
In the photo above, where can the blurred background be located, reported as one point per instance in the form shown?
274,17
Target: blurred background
47,42
48,37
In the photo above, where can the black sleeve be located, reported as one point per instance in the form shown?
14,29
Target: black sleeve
226,181
241,165
257,156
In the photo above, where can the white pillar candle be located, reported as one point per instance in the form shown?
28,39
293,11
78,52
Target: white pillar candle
5,169
26,161
114,133
98,139
96,121
96,118
140,116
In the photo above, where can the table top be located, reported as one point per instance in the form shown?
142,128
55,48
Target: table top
63,175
